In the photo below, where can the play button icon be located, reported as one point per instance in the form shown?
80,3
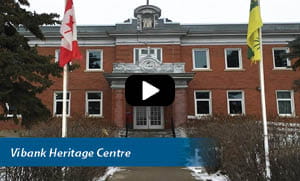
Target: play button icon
149,90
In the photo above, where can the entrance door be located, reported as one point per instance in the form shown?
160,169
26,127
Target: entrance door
148,117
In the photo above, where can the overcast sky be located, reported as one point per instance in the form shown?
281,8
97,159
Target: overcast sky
109,12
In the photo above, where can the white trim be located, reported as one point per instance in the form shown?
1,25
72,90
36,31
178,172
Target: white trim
209,101
200,39
239,99
288,61
56,55
240,58
207,58
55,101
155,52
219,39
148,126
162,125
87,60
94,100
135,126
81,43
11,115
292,101
141,42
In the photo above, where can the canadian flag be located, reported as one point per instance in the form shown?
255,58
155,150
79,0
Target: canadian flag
69,46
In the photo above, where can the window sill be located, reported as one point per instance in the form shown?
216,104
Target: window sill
199,117
19,116
243,114
234,70
60,115
94,70
287,116
282,69
202,70
94,116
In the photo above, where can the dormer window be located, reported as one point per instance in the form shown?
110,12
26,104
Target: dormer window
147,15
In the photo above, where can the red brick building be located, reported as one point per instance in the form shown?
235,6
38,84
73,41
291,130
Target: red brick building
208,63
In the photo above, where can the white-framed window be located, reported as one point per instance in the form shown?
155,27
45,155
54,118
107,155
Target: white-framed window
235,102
233,58
201,59
285,103
57,52
94,102
140,53
278,61
94,60
11,111
203,103
58,103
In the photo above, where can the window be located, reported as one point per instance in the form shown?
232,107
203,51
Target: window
285,103
10,111
235,102
57,52
233,58
94,103
58,103
140,53
94,60
278,60
202,103
201,59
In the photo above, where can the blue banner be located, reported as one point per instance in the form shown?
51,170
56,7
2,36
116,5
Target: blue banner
107,152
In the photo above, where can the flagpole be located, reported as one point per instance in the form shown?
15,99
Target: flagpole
64,111
264,112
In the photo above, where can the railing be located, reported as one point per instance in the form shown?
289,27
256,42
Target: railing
173,128
127,128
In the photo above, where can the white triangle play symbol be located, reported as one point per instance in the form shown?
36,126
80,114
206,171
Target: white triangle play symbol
148,90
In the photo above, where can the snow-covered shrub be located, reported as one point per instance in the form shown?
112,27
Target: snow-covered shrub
242,146
77,127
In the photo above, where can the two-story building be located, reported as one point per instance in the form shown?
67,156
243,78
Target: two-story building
207,62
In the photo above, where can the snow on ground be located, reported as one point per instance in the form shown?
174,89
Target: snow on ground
200,174
2,173
109,172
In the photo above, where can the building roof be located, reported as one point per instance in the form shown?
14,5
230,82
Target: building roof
166,28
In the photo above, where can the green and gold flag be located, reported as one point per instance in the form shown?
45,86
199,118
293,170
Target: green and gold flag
253,37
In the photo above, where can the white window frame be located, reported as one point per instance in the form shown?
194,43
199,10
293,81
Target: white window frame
86,104
55,101
209,100
56,54
240,59
145,48
88,61
239,99
207,58
286,99
288,60
11,115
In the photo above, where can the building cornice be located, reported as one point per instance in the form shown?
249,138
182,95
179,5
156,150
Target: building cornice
166,33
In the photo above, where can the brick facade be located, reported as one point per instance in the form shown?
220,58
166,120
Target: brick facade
176,42
218,80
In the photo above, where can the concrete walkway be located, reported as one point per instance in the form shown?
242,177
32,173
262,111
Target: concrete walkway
152,173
